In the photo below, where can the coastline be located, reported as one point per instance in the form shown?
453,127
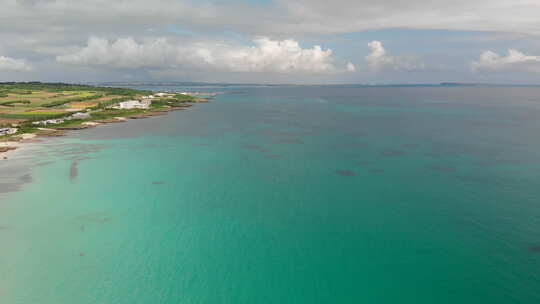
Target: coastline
10,145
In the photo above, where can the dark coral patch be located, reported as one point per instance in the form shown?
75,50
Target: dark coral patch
8,187
347,173
81,149
27,178
290,141
79,158
535,248
255,147
376,171
391,152
440,168
158,183
360,144
251,147
73,171
277,133
488,163
410,145
98,217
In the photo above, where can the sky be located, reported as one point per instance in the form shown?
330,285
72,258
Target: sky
271,41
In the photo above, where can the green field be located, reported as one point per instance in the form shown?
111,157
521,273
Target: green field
33,101
21,104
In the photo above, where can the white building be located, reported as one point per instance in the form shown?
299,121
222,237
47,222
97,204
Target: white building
80,115
48,122
134,104
8,131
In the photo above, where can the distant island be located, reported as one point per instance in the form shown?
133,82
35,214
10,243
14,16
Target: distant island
32,109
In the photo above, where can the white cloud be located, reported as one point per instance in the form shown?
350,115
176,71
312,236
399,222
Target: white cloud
281,16
515,60
122,53
12,64
379,60
53,27
325,16
266,55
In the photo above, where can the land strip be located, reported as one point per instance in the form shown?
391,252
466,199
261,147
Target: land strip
30,110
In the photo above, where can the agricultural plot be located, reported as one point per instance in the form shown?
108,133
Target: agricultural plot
43,108
35,101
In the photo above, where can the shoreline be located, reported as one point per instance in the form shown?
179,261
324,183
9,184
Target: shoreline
11,144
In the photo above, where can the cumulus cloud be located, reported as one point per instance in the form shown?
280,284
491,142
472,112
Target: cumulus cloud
354,15
378,60
53,27
12,64
515,60
280,16
266,55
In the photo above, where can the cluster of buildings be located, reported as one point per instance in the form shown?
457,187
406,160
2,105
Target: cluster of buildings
8,131
134,104
144,103
48,122
78,115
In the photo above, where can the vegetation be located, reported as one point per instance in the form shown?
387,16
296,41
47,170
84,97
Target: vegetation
110,113
33,116
25,103
105,104
61,102
184,98
27,128
20,91
62,87
12,102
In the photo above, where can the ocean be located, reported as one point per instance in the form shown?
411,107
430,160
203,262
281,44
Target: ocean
284,194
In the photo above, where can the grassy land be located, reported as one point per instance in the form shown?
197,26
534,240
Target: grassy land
24,103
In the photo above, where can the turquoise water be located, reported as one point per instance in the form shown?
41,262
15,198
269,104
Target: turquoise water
284,195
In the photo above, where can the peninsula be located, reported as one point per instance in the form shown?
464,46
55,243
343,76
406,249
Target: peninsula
34,109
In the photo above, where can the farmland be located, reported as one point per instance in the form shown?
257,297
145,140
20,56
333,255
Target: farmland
25,107
34,101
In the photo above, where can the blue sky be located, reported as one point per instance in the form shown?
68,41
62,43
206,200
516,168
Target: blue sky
296,41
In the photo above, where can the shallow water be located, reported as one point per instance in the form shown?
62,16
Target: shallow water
284,195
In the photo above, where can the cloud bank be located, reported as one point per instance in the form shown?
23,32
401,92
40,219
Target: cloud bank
379,60
296,17
194,37
266,55
355,15
12,64
514,61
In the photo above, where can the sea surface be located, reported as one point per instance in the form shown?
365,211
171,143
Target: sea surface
284,194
